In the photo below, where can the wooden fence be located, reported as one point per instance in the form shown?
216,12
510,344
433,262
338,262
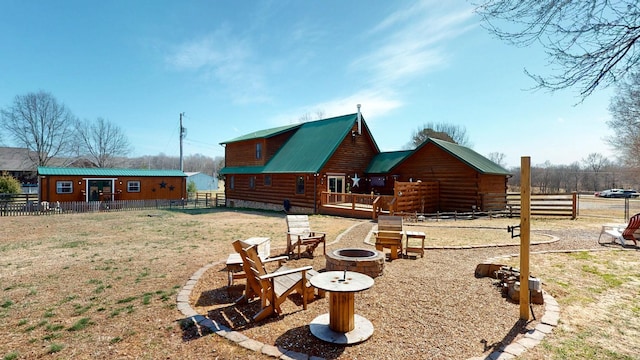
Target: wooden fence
416,196
27,204
541,204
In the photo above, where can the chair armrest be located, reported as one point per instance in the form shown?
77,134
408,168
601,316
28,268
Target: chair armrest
613,232
285,272
309,235
277,258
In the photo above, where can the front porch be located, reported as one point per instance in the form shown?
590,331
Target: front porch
409,197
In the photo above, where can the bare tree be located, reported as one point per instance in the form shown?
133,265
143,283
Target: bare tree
442,131
574,175
101,142
498,158
38,122
200,163
595,163
592,42
306,117
625,120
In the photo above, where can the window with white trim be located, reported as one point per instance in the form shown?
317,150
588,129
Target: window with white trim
64,187
133,186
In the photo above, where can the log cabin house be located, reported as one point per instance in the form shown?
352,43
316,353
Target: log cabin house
102,184
297,167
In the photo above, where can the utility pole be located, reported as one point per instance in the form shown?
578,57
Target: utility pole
182,134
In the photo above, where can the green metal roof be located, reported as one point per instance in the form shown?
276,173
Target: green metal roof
384,162
311,146
68,171
469,157
241,170
263,134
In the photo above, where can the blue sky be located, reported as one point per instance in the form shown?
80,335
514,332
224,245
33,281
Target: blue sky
234,67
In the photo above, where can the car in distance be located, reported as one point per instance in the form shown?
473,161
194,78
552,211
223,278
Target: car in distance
618,193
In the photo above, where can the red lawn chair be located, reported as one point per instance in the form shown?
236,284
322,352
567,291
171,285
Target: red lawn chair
623,233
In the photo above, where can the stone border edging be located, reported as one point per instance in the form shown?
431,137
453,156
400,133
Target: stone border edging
234,336
532,338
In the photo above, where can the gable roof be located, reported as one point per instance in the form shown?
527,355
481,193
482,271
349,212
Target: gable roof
306,151
311,146
263,134
68,171
384,162
16,159
387,161
468,156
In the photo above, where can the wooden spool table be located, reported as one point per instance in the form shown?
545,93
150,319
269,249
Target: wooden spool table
341,325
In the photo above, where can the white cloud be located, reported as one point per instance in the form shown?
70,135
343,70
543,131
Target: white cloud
403,46
223,57
414,44
373,104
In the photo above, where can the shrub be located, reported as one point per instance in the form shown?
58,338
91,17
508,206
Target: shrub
9,185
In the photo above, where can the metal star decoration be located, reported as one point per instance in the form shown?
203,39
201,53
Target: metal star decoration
163,185
356,180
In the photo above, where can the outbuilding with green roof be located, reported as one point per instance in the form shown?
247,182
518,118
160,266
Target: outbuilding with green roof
66,184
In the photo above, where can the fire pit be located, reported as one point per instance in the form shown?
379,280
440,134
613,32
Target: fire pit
369,262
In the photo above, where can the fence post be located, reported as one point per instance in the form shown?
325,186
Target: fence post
626,209
574,207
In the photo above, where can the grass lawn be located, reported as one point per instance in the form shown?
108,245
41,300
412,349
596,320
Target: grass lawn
104,285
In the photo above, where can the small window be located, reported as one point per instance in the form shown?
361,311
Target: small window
267,180
133,186
300,185
64,187
259,151
252,182
232,183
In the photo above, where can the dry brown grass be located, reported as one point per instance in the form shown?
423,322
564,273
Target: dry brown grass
104,286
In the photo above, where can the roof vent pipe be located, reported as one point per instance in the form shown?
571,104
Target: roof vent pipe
359,121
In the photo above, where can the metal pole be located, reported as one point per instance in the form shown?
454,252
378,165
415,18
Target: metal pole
181,137
525,230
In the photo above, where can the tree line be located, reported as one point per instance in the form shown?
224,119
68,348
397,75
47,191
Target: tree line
592,174
38,122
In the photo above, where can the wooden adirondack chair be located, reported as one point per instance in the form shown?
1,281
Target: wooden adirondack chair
623,232
272,288
389,234
299,233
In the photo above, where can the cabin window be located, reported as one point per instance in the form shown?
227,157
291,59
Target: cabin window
133,186
377,181
64,187
300,185
252,182
267,180
259,151
232,183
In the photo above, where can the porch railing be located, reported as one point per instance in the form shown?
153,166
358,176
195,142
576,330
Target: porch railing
363,202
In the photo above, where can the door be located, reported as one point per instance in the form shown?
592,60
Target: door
335,185
100,190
